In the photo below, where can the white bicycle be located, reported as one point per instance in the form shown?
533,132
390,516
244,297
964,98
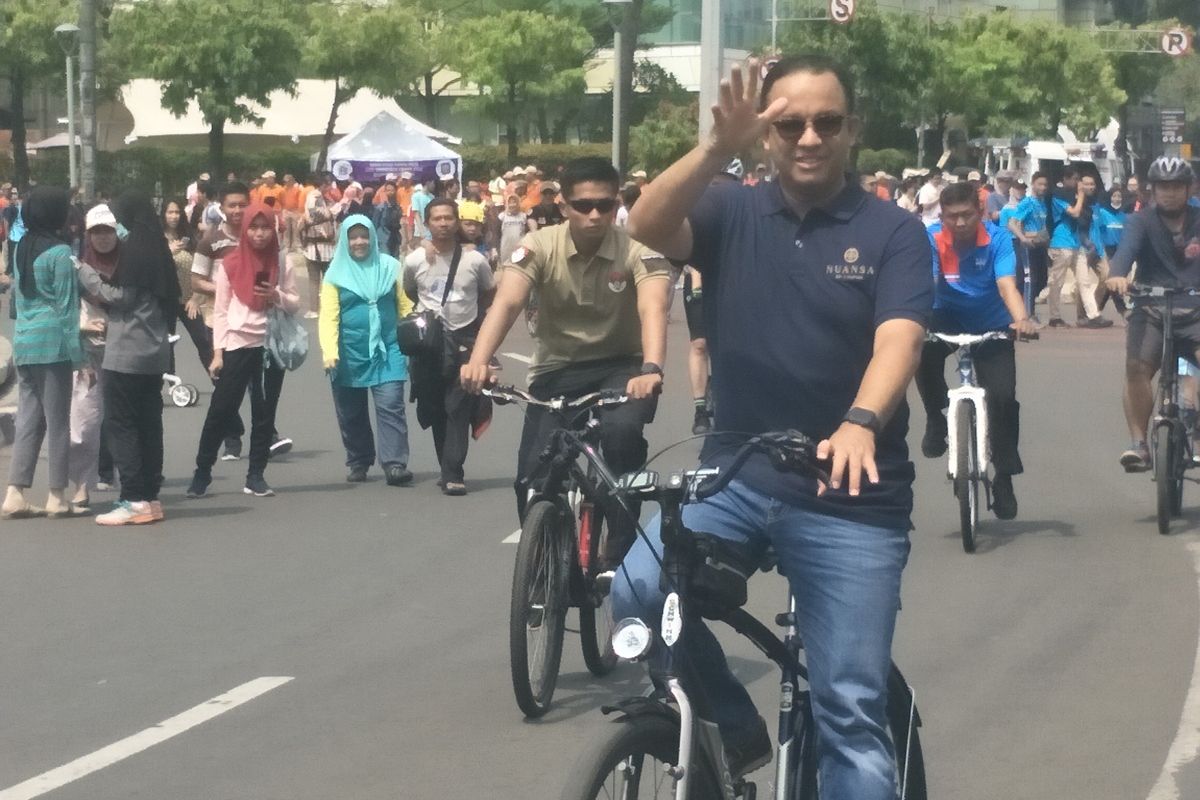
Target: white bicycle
967,423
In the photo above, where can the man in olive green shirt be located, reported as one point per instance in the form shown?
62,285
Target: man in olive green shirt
602,322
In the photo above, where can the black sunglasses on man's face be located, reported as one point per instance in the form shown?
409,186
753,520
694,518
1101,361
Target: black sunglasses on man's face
824,125
583,206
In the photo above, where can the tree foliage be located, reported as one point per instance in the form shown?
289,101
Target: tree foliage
664,136
360,45
518,59
223,56
28,51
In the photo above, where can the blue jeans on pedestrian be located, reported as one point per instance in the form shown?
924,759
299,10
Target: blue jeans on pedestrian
354,420
846,579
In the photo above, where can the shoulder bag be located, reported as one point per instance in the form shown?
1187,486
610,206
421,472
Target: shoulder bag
421,333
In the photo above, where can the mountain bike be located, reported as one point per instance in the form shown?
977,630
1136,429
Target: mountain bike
562,558
662,745
1170,439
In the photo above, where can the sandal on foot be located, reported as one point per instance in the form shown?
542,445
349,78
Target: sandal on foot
25,512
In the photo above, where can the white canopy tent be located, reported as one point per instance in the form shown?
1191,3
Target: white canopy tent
289,116
387,144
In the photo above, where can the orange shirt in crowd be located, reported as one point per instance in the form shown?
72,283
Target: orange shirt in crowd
293,197
404,196
275,193
883,192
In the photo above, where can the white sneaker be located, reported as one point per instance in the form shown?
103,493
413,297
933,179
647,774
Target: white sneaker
128,513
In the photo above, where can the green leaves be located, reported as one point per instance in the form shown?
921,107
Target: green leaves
222,55
27,35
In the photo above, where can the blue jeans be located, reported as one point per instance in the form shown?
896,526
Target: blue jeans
354,420
846,579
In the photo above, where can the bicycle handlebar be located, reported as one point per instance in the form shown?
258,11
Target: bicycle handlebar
967,339
511,394
789,450
1144,290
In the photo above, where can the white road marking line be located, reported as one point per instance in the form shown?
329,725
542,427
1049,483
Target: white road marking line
132,745
1186,747
518,357
512,538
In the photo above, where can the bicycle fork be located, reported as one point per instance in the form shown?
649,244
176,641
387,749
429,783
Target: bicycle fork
959,398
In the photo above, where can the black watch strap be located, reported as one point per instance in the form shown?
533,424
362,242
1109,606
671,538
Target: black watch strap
650,368
864,417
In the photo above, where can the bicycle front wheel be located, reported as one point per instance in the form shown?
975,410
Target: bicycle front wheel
538,608
1165,456
966,481
631,761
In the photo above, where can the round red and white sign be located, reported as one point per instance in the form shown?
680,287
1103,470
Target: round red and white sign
841,11
1176,42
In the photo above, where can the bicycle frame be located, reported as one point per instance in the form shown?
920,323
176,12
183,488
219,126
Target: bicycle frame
794,733
968,392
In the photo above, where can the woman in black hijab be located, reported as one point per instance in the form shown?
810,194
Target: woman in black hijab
46,349
142,306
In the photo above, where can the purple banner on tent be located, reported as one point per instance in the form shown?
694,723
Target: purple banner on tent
377,171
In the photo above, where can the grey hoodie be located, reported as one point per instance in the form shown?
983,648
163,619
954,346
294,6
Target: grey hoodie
136,338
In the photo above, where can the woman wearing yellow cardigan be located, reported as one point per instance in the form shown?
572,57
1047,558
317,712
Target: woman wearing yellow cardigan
361,303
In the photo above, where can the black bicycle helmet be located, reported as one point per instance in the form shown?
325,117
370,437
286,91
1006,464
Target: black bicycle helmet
1170,169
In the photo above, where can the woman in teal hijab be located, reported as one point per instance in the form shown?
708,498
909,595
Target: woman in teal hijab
361,303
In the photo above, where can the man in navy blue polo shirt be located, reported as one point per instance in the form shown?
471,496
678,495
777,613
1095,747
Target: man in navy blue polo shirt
975,270
816,297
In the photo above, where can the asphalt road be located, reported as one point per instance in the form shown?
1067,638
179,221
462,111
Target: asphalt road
1054,663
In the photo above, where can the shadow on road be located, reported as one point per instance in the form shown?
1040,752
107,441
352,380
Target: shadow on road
192,509
299,455
992,535
1187,522
317,487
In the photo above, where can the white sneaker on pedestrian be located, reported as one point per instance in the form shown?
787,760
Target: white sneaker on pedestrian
127,512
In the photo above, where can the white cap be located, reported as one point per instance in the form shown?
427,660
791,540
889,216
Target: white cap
269,173
638,173
406,176
531,168
518,170
974,175
100,217
391,176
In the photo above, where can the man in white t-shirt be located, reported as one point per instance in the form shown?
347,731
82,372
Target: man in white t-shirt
441,402
929,202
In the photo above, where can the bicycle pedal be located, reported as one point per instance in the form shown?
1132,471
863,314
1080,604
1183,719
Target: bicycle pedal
745,790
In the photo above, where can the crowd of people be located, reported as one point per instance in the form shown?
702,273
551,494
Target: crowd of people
415,283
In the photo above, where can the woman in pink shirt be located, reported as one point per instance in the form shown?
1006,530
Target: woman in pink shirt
253,278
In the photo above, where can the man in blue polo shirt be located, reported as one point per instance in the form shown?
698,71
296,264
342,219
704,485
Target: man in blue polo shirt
975,272
816,297
1028,224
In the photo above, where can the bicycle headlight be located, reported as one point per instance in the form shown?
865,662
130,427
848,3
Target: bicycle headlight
632,639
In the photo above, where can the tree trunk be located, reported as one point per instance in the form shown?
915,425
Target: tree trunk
630,25
20,156
543,125
510,125
1121,146
339,97
216,149
430,101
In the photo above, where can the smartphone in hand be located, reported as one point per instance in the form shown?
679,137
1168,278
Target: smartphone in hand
261,277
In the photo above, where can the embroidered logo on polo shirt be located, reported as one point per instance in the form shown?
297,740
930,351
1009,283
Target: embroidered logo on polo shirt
849,272
850,256
617,281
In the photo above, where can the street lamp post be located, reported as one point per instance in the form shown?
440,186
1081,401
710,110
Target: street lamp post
620,82
68,37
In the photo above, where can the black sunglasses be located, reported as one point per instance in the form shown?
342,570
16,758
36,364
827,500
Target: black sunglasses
825,126
604,205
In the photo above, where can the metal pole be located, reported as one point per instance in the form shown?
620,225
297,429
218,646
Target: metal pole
73,179
87,96
711,56
774,26
618,133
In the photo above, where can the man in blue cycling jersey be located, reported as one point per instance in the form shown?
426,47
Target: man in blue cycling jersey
816,297
974,268
1164,242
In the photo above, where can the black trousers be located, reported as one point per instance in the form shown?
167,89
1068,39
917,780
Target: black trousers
134,429
1039,268
243,371
621,441
452,431
996,371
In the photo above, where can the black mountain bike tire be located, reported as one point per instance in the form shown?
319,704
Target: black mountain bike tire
546,544
595,632
1164,476
966,482
631,741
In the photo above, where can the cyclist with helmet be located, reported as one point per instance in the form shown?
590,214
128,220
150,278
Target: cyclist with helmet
1164,241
